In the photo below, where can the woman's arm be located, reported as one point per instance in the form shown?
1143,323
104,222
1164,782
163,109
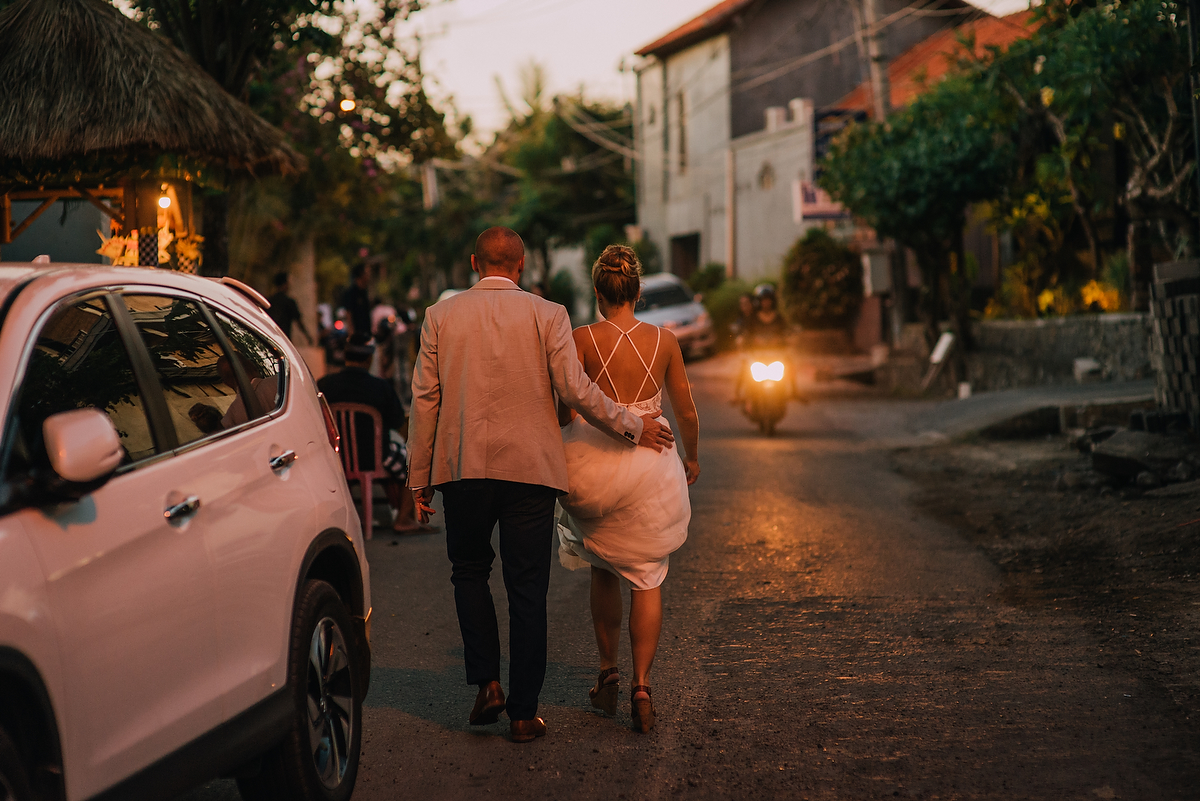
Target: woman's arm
679,389
565,413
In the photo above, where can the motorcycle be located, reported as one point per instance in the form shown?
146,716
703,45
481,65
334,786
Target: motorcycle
768,390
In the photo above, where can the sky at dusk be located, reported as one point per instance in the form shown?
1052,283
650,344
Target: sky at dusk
468,43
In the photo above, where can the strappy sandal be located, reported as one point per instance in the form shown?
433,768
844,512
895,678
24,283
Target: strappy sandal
642,709
604,694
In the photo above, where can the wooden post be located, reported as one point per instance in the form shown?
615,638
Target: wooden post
145,221
5,219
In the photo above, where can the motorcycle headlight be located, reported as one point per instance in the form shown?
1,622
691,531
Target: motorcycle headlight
767,372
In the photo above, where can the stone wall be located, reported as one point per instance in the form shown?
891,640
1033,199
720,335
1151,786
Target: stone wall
1023,353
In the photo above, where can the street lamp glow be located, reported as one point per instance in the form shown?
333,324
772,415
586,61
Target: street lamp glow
164,202
347,105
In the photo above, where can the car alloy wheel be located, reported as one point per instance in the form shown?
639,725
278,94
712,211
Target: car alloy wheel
330,703
318,759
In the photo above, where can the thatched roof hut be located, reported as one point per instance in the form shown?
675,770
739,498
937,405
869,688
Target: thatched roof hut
84,89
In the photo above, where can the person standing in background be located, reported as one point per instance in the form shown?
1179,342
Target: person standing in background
284,309
356,300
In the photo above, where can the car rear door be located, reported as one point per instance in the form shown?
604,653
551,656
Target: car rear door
240,454
130,590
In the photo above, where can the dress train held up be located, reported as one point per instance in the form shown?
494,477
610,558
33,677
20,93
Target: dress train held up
628,509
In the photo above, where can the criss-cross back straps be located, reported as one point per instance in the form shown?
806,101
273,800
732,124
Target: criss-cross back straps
617,344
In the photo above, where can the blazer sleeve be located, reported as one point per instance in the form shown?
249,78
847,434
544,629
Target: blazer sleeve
426,404
578,391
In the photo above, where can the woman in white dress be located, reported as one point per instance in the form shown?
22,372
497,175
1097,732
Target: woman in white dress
627,509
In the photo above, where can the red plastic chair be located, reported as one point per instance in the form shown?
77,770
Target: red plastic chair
347,416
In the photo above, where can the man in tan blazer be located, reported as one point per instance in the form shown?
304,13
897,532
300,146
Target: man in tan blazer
484,432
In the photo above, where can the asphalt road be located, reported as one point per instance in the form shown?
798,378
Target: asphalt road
822,640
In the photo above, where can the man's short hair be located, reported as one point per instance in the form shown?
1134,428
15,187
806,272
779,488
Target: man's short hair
499,249
356,272
279,280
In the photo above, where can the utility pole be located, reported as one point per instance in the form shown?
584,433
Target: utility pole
877,61
881,96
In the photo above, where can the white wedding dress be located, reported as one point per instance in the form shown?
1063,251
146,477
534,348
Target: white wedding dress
627,510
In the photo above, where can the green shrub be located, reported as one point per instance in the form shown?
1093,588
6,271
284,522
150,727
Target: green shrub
647,253
822,282
722,305
707,279
562,290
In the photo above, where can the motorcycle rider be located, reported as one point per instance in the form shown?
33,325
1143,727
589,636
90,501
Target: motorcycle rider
765,329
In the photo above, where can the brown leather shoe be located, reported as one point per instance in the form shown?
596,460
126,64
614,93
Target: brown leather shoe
488,704
524,731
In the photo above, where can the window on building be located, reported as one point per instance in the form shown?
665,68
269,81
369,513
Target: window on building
683,151
766,176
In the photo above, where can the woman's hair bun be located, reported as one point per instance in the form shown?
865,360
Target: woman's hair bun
617,275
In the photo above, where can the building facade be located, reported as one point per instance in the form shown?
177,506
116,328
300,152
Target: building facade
728,117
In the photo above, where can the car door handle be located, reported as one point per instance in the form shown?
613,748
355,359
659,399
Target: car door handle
283,460
182,509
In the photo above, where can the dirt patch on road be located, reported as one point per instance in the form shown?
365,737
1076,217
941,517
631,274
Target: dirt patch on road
1127,563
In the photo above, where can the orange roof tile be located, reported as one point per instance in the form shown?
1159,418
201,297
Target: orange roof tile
927,62
696,30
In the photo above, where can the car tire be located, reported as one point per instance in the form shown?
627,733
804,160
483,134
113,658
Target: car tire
318,760
14,781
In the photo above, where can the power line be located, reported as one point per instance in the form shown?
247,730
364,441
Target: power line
590,128
808,58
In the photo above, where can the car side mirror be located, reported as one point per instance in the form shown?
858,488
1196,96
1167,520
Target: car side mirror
83,446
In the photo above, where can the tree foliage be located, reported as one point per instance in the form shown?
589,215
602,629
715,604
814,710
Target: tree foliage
1102,81
912,177
295,62
822,282
559,186
1071,137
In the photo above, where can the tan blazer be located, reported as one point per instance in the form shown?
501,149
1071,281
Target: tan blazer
492,360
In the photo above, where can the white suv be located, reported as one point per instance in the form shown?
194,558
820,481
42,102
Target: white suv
183,588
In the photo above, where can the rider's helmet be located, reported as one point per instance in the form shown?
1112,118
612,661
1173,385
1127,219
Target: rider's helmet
763,292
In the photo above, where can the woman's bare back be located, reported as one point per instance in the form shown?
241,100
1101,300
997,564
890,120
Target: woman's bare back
628,356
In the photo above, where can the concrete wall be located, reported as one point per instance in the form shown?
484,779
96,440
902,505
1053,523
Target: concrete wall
772,32
768,164
676,199
1025,353
649,124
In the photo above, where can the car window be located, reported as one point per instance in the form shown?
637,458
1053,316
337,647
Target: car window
262,361
198,383
669,295
78,361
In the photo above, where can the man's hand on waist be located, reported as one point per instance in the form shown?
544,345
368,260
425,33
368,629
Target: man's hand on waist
655,435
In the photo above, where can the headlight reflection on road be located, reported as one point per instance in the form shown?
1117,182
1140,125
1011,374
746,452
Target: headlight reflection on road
767,372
